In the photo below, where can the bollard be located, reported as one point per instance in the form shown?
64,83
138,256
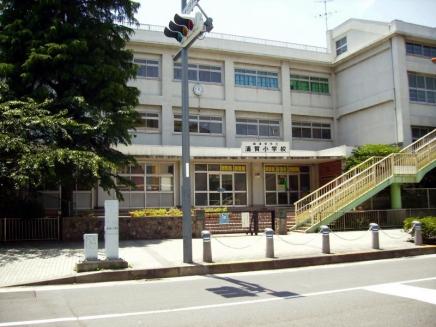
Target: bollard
374,228
207,247
325,230
269,233
417,227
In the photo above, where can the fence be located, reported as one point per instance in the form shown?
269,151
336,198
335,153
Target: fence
357,220
265,219
38,229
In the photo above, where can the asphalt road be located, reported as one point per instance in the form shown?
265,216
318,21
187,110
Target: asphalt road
396,292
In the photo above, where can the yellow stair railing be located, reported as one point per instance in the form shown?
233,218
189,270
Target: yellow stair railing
339,193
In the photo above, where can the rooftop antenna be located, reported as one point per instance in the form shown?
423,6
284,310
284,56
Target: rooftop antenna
326,13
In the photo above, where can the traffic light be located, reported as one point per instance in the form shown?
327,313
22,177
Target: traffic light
185,29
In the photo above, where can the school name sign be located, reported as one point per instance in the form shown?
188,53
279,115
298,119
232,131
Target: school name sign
258,147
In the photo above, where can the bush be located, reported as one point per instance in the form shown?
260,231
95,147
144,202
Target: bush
367,151
169,212
428,227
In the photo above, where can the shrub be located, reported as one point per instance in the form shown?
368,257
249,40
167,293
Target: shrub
428,227
169,212
366,151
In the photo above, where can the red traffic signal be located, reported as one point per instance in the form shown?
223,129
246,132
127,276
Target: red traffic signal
185,29
184,21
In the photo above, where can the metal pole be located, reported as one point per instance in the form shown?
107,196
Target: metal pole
186,180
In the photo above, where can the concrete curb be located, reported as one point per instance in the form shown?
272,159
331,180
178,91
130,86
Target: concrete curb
230,267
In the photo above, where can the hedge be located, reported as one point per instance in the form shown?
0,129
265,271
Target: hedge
428,227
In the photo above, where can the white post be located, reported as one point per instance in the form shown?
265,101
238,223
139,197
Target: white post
91,246
111,233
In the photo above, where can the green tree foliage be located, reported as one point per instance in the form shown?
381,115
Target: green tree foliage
366,151
65,70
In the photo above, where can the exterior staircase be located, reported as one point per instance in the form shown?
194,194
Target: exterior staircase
363,181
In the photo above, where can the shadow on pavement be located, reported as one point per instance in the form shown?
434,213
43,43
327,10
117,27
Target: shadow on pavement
245,289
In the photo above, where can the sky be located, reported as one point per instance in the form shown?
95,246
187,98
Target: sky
295,21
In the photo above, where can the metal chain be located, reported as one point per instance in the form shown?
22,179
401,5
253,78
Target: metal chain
351,239
393,237
292,243
231,247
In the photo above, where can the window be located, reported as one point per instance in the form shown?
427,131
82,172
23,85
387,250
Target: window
420,131
220,185
199,73
341,45
153,186
256,78
149,121
200,124
147,68
311,130
420,50
257,127
285,184
309,84
422,88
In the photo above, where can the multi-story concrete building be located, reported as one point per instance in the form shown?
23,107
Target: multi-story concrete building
271,121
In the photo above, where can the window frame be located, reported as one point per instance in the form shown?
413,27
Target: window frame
258,122
143,127
423,90
196,69
421,53
311,80
198,120
341,45
146,63
312,125
253,76
287,171
220,172
423,130
128,191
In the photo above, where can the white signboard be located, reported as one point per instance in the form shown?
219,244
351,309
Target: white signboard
245,219
111,233
257,147
190,6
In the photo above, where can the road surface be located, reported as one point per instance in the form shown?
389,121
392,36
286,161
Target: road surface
395,292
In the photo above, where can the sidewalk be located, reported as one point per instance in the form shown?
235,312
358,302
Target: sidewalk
38,261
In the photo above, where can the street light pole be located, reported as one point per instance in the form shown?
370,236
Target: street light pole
186,180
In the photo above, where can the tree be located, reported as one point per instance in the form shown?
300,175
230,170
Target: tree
65,69
366,151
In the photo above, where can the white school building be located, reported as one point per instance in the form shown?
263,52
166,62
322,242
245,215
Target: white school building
271,121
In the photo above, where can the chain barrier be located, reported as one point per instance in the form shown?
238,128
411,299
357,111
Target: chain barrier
230,246
351,239
292,243
394,237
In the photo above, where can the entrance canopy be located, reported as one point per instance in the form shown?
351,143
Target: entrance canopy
140,150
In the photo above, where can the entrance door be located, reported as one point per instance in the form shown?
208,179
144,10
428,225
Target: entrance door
294,188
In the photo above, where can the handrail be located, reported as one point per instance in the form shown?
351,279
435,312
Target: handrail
358,180
422,141
246,39
352,170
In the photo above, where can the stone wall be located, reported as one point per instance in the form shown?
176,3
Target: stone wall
148,228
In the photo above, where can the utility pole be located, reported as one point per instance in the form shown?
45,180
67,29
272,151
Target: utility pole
186,30
186,158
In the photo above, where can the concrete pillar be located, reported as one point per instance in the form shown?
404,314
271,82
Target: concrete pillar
396,196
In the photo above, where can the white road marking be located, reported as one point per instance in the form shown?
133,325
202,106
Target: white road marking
201,307
197,277
411,292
